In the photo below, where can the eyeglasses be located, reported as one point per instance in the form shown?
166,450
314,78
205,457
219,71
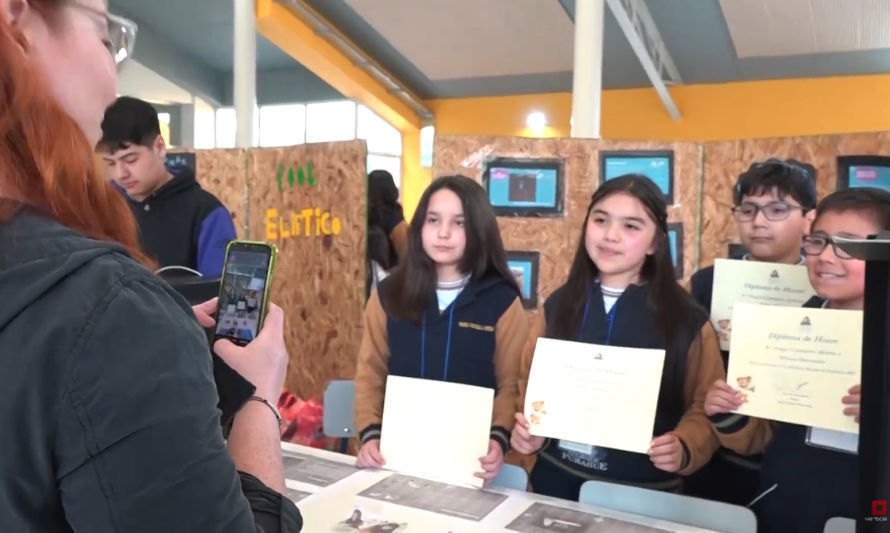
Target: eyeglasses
772,211
121,33
815,244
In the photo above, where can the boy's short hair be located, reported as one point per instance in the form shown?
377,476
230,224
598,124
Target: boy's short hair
788,177
127,122
870,201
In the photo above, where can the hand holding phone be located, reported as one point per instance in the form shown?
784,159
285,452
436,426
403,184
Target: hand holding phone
244,290
264,361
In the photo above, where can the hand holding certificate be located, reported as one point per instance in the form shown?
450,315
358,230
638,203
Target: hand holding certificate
436,430
795,364
758,283
600,395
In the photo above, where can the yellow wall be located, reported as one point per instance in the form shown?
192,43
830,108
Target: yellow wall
709,112
781,108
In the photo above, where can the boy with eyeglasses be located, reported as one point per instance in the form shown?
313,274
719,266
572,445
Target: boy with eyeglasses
773,205
822,482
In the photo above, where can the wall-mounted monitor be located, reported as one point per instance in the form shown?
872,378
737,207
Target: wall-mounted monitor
176,162
675,238
524,266
524,187
863,171
658,166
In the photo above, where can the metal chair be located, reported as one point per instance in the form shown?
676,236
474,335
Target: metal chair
669,506
339,411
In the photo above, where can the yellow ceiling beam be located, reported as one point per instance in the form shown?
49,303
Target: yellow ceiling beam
289,32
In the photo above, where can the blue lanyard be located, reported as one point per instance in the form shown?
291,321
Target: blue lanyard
447,345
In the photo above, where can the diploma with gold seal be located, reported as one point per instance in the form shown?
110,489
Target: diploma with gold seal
795,364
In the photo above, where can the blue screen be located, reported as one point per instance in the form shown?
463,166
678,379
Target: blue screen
672,237
870,176
525,280
522,187
657,169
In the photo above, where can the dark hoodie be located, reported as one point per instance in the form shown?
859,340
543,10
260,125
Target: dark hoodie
181,224
107,398
477,340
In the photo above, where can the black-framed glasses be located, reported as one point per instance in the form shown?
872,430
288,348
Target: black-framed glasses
772,211
121,33
815,244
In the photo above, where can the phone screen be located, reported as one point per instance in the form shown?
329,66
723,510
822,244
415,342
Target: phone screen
242,292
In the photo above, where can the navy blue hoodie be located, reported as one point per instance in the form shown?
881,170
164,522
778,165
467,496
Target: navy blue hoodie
477,340
181,224
693,357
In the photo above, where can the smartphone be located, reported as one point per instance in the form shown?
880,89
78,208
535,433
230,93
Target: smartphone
244,290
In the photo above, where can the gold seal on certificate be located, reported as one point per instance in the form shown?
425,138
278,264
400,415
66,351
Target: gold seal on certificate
795,364
591,394
757,283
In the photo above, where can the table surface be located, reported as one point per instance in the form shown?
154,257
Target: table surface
325,508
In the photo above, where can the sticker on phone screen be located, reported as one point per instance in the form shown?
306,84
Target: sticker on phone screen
242,295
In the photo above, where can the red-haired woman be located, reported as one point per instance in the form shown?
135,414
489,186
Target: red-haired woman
108,406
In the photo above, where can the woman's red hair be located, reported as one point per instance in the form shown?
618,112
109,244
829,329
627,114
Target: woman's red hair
46,161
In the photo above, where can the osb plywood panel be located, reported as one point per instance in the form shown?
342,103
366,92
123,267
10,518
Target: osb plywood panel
556,238
223,173
724,161
310,201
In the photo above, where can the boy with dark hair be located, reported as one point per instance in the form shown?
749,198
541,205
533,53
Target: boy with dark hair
774,204
180,223
804,484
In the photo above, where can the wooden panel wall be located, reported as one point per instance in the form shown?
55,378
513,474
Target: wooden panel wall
724,161
320,276
556,238
317,218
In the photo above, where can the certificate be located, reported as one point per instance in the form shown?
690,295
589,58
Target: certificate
591,394
758,283
436,430
795,364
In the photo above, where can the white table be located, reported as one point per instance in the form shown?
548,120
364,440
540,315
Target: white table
327,507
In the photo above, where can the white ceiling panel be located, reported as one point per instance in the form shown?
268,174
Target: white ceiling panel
452,39
772,28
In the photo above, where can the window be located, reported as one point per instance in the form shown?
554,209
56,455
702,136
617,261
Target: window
227,127
282,125
205,125
164,124
381,136
293,124
330,121
427,134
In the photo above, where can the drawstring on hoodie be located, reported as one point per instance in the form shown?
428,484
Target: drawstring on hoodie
447,344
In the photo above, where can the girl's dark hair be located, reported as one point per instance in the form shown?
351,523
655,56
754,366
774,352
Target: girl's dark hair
674,309
673,306
870,201
412,285
384,209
